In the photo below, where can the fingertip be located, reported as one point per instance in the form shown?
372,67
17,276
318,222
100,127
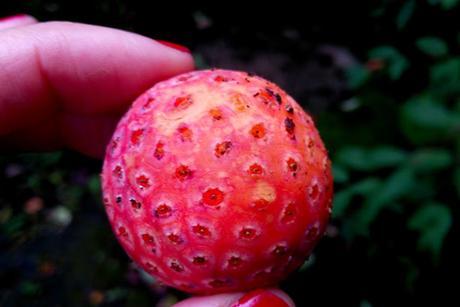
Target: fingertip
88,135
283,295
15,21
217,300
105,69
263,298
256,298
175,46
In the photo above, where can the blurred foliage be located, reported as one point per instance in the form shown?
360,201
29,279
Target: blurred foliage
415,173
408,170
394,140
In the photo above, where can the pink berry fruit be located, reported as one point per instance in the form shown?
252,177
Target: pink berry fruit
217,181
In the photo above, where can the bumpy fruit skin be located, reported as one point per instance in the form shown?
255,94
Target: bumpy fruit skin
217,181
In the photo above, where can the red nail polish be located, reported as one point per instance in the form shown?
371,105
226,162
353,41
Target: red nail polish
260,298
9,18
173,45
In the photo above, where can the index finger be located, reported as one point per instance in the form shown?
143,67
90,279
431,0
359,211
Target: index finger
78,69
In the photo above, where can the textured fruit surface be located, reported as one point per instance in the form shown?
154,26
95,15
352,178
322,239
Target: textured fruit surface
217,181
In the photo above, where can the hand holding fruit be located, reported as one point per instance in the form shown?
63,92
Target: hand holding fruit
66,85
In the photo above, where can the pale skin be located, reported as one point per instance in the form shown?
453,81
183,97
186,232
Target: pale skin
65,85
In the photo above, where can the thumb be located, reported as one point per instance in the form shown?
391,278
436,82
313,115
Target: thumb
256,298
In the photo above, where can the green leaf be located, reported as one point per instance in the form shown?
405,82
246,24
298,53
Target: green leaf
340,174
423,190
353,157
433,222
309,262
29,288
445,77
94,185
404,15
430,160
449,4
394,187
386,156
445,4
200,62
432,46
342,199
357,76
425,120
395,62
362,159
14,224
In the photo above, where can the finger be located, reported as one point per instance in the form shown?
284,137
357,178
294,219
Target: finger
16,21
256,298
76,68
218,300
86,134
89,134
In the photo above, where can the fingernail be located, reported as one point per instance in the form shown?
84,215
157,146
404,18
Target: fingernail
173,45
261,298
17,16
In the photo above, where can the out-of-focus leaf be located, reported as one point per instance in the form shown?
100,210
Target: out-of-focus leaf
445,77
353,157
430,160
340,174
342,199
425,120
395,62
423,190
370,159
357,76
94,185
48,159
411,271
308,263
445,4
394,187
433,46
29,288
386,156
433,221
449,4
405,13
200,62
34,182
14,224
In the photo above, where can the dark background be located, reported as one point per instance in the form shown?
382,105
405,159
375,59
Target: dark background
382,80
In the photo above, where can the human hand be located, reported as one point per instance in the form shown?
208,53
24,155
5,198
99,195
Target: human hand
66,85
